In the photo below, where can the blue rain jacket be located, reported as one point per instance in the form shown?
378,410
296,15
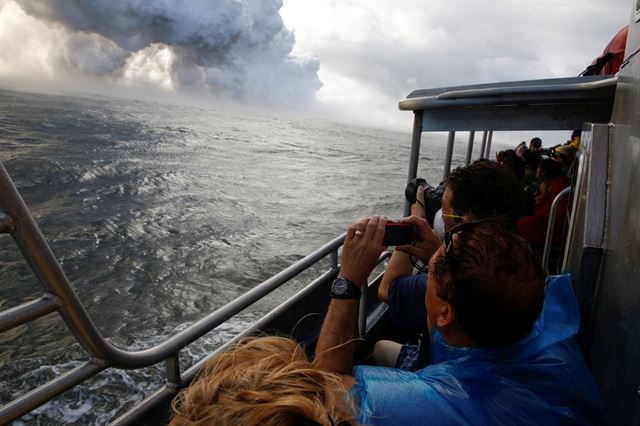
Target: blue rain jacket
541,379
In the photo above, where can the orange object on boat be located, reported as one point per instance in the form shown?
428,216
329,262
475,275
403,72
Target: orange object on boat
611,59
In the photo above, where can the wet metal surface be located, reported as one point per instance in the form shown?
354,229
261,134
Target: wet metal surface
614,353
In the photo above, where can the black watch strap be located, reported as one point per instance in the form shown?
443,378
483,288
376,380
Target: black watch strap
342,288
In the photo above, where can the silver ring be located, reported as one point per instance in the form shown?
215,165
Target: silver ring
359,232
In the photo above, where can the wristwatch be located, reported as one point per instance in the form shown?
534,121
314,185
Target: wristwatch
342,288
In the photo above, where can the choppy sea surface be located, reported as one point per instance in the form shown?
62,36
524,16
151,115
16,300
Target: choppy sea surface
160,214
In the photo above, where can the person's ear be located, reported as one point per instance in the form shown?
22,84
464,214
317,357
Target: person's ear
446,317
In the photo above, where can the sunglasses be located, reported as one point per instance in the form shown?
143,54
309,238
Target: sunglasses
448,236
453,216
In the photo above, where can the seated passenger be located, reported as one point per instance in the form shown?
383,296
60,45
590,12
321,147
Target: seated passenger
512,162
531,180
535,144
495,358
482,189
531,162
549,169
263,381
533,227
521,149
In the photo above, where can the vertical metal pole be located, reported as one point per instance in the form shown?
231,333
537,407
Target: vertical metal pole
548,241
173,370
447,159
488,151
484,143
470,147
362,311
333,260
415,153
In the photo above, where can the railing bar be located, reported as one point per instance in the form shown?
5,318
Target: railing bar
449,155
44,393
333,259
414,156
362,313
488,151
173,370
362,307
196,330
484,143
472,134
203,326
166,391
322,280
548,242
26,312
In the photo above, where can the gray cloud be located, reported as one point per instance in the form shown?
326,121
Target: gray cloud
373,53
225,47
466,42
92,54
384,50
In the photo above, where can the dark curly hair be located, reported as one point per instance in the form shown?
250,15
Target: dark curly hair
484,189
492,282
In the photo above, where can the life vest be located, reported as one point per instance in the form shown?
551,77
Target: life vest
611,59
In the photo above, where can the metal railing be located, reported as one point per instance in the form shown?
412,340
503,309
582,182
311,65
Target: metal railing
167,391
16,220
548,243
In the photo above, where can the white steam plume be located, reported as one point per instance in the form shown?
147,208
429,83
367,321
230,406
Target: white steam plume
237,48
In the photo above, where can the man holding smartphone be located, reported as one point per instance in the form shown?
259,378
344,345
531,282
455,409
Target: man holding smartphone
495,359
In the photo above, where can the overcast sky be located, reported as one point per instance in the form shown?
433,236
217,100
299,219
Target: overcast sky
348,60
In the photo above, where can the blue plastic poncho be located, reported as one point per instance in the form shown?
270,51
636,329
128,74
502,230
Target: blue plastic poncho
542,379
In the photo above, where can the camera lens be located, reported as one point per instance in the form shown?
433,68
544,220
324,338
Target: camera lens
432,196
412,189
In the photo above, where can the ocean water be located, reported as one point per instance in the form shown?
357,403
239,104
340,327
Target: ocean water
160,214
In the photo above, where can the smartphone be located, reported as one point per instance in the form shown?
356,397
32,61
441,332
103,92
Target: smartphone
398,234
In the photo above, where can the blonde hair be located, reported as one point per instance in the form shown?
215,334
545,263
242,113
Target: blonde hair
262,381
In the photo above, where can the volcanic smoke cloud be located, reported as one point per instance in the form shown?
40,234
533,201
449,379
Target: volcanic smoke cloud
237,48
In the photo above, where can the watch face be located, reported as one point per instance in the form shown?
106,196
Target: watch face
340,287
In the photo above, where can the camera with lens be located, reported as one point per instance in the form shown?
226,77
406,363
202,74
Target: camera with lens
432,196
549,152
